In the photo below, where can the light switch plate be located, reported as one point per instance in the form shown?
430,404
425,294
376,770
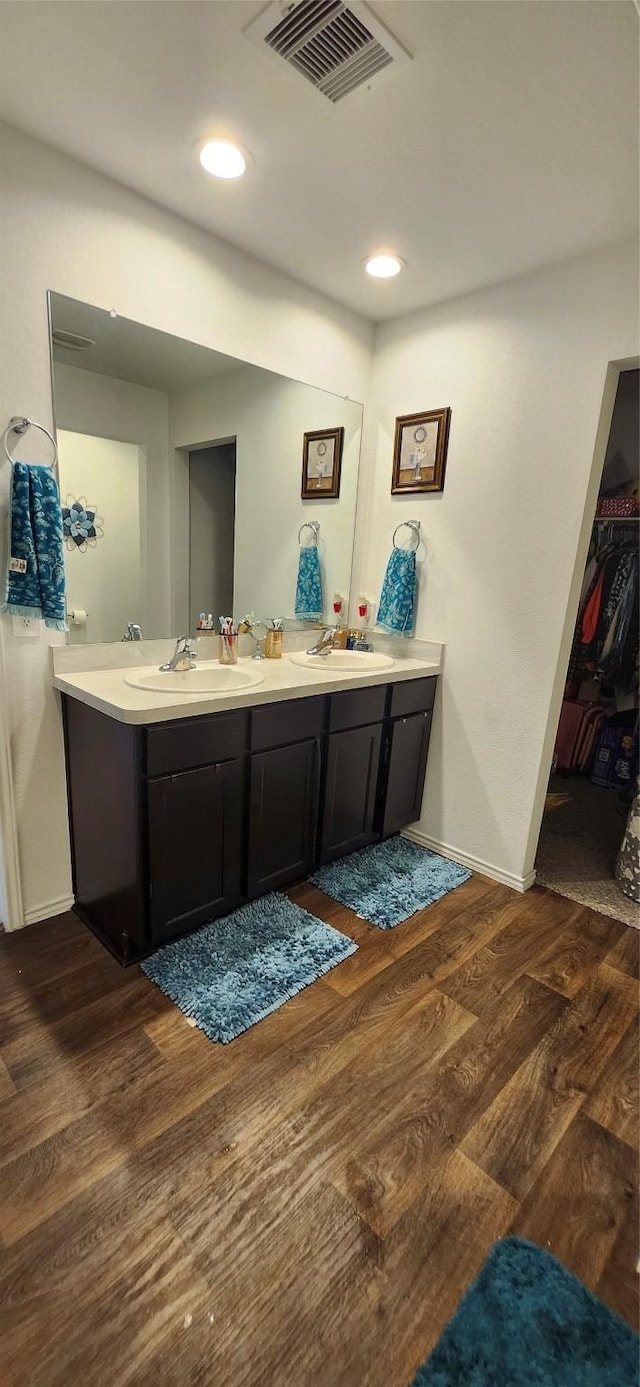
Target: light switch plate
27,627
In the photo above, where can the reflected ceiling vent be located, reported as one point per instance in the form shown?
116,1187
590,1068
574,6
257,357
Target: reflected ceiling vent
335,47
71,341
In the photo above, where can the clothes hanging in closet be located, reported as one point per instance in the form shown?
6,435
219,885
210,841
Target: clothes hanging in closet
606,636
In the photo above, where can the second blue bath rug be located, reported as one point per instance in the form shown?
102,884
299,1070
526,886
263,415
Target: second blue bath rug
239,969
388,882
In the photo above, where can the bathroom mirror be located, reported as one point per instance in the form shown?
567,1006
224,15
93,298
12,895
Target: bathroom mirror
181,476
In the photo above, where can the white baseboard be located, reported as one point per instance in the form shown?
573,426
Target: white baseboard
475,864
42,912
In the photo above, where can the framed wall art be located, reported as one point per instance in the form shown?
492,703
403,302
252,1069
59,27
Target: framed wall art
321,463
420,451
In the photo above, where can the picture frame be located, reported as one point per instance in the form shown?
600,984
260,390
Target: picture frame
420,451
322,464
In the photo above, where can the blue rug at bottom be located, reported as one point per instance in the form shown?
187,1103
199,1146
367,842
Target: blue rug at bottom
388,882
237,970
527,1322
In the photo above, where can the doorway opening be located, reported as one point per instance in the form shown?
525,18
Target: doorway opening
212,514
588,848
104,589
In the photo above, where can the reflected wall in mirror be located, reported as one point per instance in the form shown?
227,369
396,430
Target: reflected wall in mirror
192,460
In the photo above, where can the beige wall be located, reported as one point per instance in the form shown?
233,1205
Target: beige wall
268,417
523,368
103,580
90,403
66,228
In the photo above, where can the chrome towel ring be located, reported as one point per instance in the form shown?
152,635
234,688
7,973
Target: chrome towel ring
310,525
413,525
19,425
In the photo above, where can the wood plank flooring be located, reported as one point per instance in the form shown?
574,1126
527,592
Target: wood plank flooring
306,1206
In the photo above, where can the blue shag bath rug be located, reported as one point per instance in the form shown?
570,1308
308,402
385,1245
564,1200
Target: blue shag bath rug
388,882
237,970
527,1322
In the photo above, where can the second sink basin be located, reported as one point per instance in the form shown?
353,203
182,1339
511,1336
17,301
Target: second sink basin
207,679
367,661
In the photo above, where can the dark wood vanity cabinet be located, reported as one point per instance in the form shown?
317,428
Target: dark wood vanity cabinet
284,789
352,765
177,823
402,773
352,762
404,755
283,810
195,847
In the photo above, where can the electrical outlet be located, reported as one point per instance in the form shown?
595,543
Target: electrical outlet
27,627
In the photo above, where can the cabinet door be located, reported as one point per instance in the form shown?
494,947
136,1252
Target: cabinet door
283,815
406,757
195,847
350,791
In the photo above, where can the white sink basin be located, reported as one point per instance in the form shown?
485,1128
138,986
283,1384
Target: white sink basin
366,661
214,679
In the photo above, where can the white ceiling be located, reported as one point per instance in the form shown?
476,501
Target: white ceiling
132,351
510,142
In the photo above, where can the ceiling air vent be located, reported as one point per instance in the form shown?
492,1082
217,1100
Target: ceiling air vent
335,47
71,341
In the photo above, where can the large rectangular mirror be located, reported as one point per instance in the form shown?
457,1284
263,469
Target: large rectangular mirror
191,464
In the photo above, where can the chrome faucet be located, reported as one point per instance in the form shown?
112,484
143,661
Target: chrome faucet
133,632
325,645
183,657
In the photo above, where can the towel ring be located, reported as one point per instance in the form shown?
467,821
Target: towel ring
411,525
19,424
310,525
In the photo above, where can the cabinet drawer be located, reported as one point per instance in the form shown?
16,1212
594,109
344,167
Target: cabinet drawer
181,746
413,696
357,708
280,724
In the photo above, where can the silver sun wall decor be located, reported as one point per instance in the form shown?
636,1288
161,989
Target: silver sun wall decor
82,526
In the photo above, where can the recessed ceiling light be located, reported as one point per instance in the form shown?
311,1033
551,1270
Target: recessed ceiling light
223,159
383,265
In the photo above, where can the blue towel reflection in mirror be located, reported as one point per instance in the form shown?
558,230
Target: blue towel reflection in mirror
309,603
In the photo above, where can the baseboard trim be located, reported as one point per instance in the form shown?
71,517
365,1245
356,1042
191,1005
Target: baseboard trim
43,912
475,864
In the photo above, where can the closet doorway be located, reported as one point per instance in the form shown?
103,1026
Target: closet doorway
587,848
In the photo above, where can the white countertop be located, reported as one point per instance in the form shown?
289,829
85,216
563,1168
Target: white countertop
105,689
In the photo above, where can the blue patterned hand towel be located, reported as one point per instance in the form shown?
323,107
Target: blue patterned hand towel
35,572
309,604
397,609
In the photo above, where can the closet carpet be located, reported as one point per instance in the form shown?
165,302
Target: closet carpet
581,833
306,1206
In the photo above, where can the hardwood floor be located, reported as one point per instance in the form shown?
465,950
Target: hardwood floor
307,1205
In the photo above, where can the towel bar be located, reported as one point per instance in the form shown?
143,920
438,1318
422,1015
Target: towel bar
411,525
19,424
310,525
